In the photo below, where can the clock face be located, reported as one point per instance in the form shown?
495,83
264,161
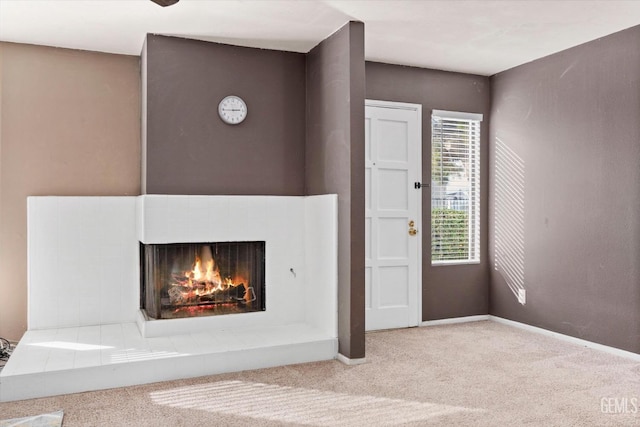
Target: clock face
232,110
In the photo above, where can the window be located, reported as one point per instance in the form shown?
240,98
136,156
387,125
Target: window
455,187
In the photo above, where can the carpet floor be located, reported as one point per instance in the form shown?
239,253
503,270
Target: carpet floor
471,374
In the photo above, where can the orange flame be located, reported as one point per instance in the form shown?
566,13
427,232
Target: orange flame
203,280
209,274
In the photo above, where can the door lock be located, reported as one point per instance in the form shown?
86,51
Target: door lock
412,231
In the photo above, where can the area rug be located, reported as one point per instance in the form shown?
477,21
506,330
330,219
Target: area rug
54,419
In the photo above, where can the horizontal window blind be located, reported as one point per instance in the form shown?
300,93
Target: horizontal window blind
455,189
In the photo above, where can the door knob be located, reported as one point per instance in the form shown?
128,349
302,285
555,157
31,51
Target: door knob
412,231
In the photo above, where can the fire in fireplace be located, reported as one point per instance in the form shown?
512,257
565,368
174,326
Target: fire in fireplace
202,279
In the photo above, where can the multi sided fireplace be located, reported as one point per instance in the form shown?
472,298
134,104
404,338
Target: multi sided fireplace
202,279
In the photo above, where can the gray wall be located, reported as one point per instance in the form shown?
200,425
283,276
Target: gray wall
334,163
447,291
190,150
569,124
187,149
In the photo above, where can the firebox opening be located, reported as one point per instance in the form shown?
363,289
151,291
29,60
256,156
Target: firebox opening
201,279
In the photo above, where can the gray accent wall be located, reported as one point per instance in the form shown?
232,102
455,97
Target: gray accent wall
189,150
565,165
334,163
451,290
304,135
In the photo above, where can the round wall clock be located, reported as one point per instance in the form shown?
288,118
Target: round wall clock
232,110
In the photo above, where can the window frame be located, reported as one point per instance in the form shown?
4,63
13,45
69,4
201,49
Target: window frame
473,227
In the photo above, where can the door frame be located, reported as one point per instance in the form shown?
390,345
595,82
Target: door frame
418,109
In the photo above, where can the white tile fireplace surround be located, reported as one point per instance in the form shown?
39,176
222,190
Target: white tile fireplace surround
85,329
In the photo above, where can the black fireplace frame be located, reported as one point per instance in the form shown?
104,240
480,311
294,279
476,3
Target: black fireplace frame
151,302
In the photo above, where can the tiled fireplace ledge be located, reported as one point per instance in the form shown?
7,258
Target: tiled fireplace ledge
71,360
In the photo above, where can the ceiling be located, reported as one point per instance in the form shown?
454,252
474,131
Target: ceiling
480,37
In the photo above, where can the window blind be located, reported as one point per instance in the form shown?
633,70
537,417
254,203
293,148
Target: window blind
455,187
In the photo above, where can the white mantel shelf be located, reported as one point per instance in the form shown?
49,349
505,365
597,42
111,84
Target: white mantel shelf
85,331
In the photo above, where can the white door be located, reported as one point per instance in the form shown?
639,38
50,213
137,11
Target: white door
393,166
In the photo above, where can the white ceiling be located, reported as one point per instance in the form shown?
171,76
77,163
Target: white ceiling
481,37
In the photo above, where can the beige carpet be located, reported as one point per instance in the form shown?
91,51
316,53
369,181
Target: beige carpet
474,374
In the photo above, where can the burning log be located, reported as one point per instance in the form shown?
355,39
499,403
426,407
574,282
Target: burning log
231,294
204,285
200,293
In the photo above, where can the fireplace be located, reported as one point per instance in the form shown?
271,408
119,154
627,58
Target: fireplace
181,280
116,344
296,240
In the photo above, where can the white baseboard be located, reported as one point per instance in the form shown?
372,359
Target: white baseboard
454,320
350,362
567,338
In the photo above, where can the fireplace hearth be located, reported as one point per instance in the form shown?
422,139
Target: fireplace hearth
181,280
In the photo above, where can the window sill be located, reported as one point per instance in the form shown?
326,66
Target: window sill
453,262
